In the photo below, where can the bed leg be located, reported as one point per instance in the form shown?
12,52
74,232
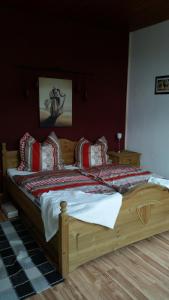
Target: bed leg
4,169
63,240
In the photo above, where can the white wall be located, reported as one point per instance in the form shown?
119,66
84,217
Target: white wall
147,115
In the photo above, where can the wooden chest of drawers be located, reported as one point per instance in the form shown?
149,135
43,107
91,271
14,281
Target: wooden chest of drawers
125,157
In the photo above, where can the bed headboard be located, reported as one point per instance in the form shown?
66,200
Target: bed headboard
10,159
68,150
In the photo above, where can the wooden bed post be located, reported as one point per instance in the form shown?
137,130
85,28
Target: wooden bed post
4,166
63,240
4,170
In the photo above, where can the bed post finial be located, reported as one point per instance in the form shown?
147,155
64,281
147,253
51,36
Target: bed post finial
63,206
63,240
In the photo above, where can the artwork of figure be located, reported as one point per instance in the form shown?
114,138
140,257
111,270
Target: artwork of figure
56,109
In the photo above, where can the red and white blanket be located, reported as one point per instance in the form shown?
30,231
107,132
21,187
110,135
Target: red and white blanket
119,177
96,179
91,194
42,182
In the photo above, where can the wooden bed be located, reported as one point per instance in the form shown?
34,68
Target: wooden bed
144,212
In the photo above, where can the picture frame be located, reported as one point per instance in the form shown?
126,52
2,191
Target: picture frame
55,102
162,84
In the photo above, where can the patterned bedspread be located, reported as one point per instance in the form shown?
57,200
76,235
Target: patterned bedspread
104,179
119,177
41,182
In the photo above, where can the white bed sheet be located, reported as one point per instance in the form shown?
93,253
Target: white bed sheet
93,208
13,171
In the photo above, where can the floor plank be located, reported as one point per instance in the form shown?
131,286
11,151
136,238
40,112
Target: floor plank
137,272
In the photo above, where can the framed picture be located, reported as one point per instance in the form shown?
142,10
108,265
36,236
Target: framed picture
55,102
162,84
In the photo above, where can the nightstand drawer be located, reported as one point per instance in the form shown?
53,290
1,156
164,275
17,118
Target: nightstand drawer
129,161
125,158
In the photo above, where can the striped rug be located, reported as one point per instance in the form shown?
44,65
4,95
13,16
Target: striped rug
24,269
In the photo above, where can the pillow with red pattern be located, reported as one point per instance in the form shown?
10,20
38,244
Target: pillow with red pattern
90,155
37,156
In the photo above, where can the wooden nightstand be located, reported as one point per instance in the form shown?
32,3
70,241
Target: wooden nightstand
125,157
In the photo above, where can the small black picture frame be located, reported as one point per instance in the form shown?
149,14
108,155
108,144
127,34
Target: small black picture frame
162,84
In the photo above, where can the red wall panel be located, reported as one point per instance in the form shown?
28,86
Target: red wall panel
94,58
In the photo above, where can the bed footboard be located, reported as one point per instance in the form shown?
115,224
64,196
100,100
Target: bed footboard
144,213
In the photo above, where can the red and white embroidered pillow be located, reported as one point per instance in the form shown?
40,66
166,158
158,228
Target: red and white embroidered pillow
22,151
90,155
37,156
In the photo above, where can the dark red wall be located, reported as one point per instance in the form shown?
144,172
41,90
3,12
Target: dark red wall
33,46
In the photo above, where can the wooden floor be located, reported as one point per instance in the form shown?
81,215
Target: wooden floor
139,271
